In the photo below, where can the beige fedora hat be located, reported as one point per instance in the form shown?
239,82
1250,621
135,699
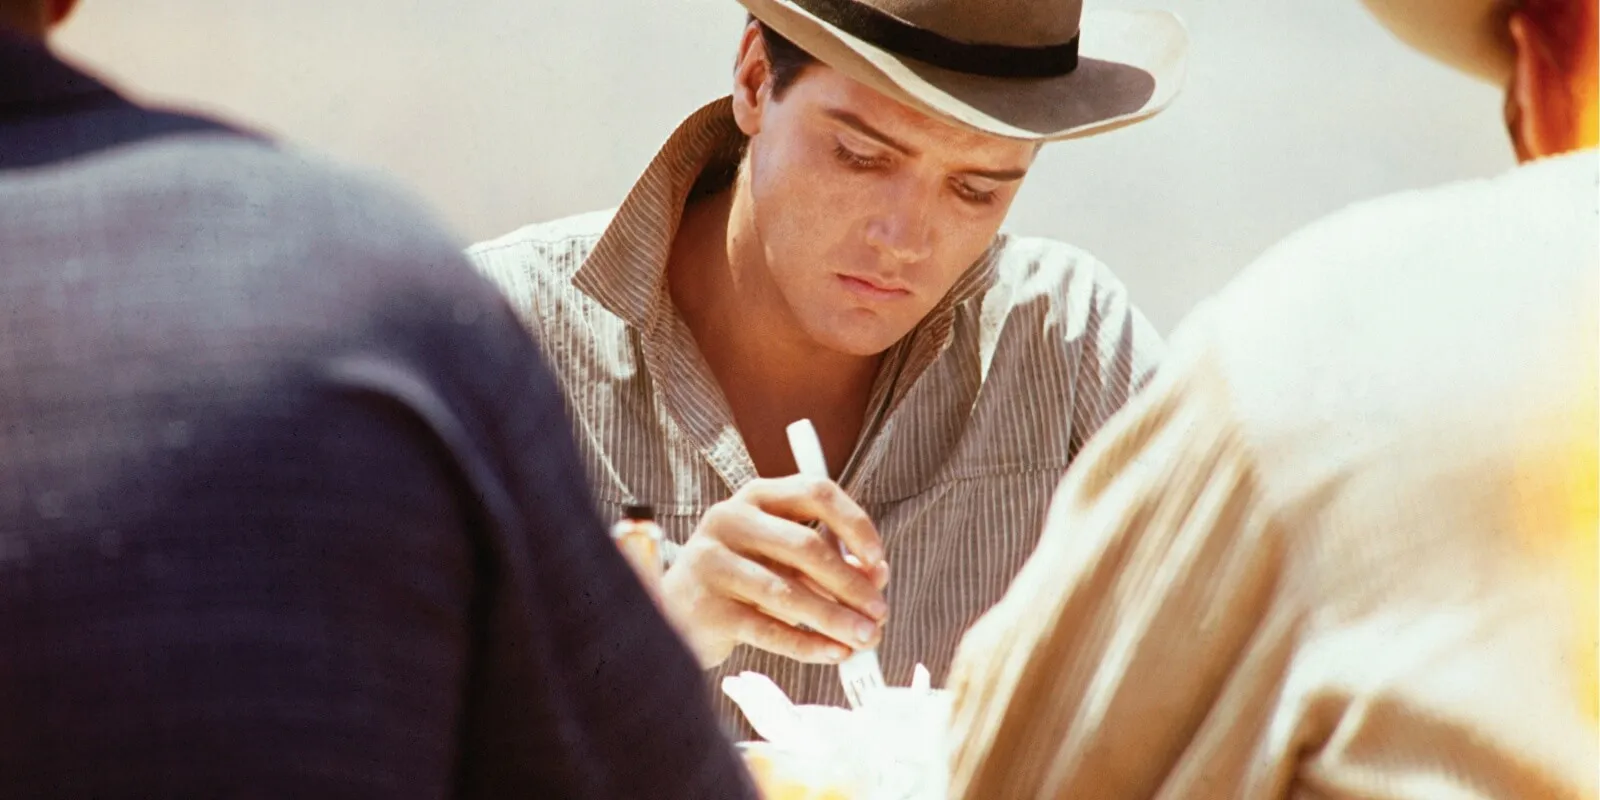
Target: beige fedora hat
1024,69
1469,35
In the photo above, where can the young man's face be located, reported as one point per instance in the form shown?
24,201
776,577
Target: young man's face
867,211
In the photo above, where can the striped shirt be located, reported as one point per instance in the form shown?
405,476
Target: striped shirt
975,415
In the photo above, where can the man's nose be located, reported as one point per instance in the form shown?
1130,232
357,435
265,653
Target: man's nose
904,231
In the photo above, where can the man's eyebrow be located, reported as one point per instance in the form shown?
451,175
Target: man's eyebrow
998,176
863,128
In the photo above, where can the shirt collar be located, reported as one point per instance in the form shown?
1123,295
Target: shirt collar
626,272
30,74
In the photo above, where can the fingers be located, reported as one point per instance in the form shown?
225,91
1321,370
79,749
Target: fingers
799,497
787,599
809,553
752,573
760,630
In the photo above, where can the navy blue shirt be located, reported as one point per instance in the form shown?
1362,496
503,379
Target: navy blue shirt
288,506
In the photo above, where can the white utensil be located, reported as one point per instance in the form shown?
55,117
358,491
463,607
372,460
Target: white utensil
861,673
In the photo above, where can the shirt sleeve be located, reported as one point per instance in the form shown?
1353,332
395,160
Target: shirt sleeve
1154,570
1118,358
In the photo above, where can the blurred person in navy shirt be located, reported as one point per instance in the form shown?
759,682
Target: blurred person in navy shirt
288,505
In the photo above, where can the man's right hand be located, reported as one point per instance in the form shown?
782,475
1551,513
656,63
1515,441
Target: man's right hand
753,573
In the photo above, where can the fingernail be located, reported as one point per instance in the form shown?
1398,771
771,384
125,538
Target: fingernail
877,609
836,653
864,631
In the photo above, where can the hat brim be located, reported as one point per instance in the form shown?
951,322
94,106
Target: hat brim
1130,66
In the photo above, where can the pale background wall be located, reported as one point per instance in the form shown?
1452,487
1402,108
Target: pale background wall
501,112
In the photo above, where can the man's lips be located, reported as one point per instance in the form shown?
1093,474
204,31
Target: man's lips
872,288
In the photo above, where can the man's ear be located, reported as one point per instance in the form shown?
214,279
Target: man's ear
752,80
1536,99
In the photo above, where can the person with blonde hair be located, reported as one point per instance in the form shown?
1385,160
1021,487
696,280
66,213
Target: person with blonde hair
1344,545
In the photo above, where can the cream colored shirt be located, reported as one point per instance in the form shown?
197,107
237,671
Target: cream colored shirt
1296,565
976,413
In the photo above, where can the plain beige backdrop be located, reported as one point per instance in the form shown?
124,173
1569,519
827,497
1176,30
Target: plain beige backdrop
503,112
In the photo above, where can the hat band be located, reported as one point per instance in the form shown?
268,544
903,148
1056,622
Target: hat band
902,38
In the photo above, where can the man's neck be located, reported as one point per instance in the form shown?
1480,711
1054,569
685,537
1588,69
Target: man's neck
769,370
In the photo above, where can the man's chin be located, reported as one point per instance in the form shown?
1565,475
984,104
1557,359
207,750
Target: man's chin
864,344
857,332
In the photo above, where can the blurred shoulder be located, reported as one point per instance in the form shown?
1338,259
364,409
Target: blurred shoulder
1427,288
1424,329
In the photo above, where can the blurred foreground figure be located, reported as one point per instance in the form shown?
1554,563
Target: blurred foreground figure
1344,547
288,506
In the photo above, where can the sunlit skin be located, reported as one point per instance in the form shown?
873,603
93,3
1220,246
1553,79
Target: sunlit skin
36,19
861,213
1553,101
851,217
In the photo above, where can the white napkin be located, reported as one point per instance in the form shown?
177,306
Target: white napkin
898,736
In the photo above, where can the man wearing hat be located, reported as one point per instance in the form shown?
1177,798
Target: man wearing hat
1344,545
824,244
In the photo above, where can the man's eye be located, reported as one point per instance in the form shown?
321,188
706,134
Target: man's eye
854,160
974,196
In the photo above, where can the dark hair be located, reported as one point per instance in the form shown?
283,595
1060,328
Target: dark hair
788,60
